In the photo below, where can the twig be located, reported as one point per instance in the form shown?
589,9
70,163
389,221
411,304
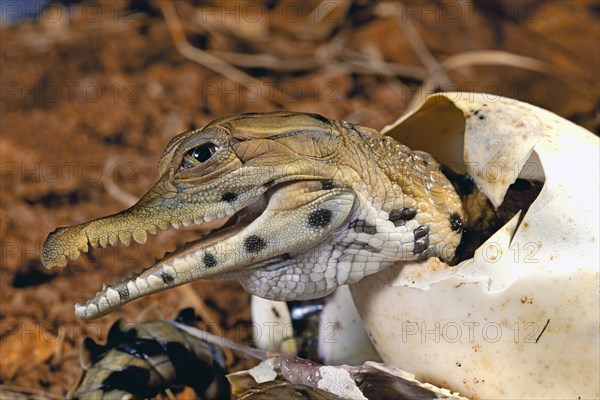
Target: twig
205,59
266,61
122,196
359,66
437,74
495,57
481,57
170,395
223,62
223,342
434,68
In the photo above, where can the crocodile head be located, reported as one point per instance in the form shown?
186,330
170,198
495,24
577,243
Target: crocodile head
297,205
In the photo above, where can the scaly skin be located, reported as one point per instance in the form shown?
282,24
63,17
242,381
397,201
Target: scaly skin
310,204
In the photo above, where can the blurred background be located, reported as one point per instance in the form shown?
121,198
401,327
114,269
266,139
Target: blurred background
91,92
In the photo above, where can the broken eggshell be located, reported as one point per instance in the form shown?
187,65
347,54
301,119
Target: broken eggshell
293,377
521,318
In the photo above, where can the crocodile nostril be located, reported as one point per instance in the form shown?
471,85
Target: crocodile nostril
57,231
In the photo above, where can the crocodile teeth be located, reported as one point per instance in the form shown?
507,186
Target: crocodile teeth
94,243
152,230
84,247
103,241
141,283
186,223
180,264
140,237
175,224
113,240
154,281
125,238
103,303
169,269
62,262
73,254
163,225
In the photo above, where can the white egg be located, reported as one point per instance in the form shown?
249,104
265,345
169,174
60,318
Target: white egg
520,319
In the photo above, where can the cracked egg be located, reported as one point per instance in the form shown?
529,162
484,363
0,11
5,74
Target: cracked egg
520,317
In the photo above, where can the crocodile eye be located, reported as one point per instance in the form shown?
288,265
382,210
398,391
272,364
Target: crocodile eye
200,154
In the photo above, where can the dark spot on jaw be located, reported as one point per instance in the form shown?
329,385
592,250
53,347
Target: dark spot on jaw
421,231
370,229
57,231
123,292
327,185
421,245
269,184
400,216
361,226
209,260
167,279
319,218
456,223
229,197
408,213
481,117
254,244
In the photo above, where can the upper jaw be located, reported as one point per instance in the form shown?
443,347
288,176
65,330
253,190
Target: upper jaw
160,209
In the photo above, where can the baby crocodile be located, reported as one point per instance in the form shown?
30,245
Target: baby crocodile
298,204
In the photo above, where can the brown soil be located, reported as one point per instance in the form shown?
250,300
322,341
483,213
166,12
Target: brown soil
91,94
